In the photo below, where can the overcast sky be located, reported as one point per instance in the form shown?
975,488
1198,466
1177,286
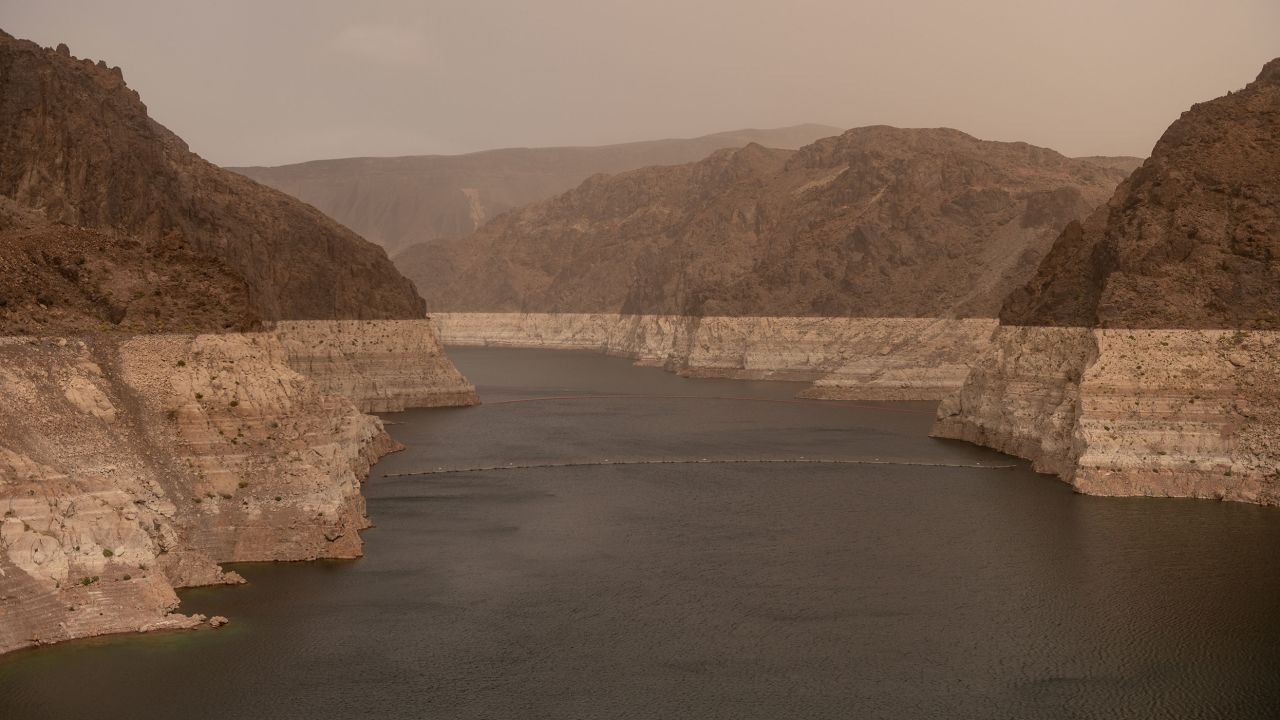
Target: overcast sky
276,81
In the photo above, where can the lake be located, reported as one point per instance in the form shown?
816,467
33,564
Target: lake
604,541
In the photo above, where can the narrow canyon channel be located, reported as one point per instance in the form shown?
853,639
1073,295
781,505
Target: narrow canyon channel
599,540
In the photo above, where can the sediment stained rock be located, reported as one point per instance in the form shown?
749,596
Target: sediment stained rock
132,465
1143,356
1164,413
847,358
381,366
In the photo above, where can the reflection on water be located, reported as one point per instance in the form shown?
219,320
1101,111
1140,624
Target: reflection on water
707,590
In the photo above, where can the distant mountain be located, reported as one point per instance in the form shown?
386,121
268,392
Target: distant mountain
399,201
129,200
1119,162
1191,240
878,221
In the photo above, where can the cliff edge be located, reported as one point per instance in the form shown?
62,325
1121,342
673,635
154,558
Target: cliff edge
1143,356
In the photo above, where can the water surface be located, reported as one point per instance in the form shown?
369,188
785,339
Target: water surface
708,590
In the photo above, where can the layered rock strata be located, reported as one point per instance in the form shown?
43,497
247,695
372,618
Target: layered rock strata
133,465
1166,413
846,358
1143,358
381,366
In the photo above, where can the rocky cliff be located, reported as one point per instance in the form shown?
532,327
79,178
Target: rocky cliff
877,222
844,358
79,147
380,365
400,201
1143,356
133,465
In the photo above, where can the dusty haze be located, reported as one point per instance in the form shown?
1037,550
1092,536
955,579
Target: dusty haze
265,83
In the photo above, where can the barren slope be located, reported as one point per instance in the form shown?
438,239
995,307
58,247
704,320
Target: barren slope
76,143
1191,240
399,201
878,221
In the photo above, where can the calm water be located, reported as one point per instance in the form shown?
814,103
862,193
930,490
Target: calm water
711,590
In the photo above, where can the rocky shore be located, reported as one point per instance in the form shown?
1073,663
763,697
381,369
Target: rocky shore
844,358
1143,356
133,465
1162,413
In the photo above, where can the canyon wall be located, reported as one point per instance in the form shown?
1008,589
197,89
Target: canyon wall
846,358
1142,358
1122,412
133,465
380,365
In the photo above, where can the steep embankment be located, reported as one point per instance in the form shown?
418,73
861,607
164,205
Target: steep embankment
1142,358
881,238
78,146
132,464
399,201
845,358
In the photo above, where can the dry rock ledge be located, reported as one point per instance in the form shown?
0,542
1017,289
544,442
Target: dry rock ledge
1124,412
1143,358
844,358
133,465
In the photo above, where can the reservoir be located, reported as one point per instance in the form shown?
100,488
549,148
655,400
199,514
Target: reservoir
603,541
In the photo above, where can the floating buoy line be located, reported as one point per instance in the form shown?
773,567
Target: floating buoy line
737,398
703,461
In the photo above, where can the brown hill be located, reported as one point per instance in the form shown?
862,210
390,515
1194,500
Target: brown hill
1190,240
399,201
878,221
77,144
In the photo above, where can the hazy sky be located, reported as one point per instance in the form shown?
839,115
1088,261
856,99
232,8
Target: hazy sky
276,81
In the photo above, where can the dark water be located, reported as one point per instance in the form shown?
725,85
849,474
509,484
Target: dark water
712,590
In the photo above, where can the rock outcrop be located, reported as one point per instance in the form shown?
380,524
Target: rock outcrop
1143,358
877,222
79,147
380,365
65,279
133,465
845,358
400,201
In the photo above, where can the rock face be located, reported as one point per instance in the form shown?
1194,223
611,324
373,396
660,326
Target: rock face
79,147
871,263
133,465
130,466
61,278
845,358
1190,239
381,366
877,222
397,202
1143,357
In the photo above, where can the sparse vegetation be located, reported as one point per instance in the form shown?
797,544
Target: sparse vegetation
108,552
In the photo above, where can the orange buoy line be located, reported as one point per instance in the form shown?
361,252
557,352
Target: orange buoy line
705,461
